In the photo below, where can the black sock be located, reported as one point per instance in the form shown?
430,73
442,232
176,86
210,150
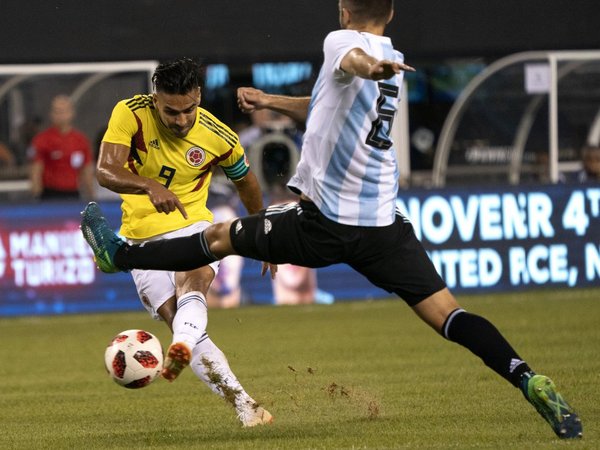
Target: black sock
484,340
178,254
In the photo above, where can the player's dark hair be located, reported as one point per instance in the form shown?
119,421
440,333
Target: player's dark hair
177,77
369,10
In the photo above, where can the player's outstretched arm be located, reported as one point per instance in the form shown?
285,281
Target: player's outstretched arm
358,63
251,99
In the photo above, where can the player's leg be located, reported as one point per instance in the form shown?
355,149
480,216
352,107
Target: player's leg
179,254
442,312
293,242
210,364
405,268
483,339
156,290
189,318
395,260
189,333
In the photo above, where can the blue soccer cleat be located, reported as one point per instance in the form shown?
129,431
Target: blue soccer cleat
100,237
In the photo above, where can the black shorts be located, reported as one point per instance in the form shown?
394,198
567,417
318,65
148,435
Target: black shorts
391,257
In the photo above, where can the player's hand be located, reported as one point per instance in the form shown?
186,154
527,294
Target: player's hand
385,69
164,200
250,99
269,266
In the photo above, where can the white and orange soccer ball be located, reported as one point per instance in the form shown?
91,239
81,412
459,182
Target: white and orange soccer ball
134,358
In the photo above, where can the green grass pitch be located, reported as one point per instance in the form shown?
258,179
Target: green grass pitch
350,375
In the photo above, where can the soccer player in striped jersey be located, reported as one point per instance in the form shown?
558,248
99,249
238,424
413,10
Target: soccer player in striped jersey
347,180
158,153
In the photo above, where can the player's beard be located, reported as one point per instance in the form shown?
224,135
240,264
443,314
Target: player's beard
180,132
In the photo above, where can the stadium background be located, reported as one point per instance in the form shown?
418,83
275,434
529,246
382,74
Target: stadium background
68,30
286,32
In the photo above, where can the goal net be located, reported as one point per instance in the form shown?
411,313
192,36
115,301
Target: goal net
524,118
27,90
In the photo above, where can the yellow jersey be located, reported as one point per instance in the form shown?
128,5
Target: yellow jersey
182,165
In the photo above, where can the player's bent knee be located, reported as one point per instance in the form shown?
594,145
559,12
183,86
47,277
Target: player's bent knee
435,309
194,280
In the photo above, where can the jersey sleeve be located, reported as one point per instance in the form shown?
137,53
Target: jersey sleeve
122,125
337,45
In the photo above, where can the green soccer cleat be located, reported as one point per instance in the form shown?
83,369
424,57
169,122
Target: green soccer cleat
542,394
103,241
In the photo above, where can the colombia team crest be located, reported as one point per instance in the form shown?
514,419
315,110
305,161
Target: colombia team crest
195,156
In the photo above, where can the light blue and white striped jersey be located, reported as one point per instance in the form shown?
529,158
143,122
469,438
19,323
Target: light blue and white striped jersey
348,163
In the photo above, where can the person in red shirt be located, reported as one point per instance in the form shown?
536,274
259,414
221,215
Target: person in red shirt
62,157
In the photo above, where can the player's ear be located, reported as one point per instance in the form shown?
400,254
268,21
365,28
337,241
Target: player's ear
154,99
345,16
391,16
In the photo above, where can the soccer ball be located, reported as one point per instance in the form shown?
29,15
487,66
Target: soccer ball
134,358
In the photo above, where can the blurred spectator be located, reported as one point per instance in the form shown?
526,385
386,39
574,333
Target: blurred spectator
294,285
62,164
542,175
264,122
26,132
590,158
7,159
273,144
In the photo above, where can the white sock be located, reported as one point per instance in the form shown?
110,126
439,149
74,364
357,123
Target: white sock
191,318
210,365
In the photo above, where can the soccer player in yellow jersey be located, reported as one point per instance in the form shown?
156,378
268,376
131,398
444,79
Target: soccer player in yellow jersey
158,153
